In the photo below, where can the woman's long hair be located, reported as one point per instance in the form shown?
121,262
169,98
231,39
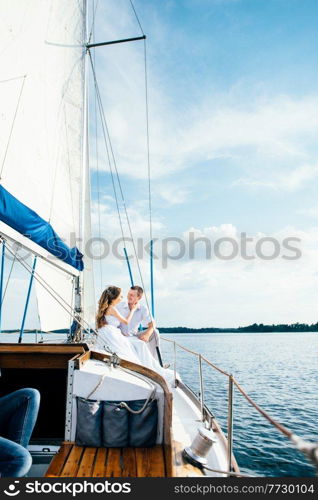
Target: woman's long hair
111,293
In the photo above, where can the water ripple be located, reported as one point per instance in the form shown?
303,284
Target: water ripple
278,370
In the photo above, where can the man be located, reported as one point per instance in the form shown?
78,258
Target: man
18,414
141,317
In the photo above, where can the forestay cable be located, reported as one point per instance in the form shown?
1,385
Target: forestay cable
136,15
148,163
106,134
92,34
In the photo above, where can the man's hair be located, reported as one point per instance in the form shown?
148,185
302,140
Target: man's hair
138,289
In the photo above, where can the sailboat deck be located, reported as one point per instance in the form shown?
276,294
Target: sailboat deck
81,461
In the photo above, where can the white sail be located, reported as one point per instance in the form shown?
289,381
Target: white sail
42,84
59,309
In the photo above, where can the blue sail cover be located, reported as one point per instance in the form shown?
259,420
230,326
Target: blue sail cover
27,222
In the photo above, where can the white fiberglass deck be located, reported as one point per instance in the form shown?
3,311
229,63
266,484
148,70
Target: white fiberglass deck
186,419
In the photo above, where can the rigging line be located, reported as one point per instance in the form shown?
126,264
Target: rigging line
84,324
12,126
114,188
107,149
120,189
8,279
152,295
148,140
276,424
124,205
38,311
108,136
95,5
233,474
26,307
98,187
13,79
28,267
136,15
113,184
72,305
47,287
115,192
3,252
113,181
44,284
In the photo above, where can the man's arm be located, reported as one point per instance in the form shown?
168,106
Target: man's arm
147,333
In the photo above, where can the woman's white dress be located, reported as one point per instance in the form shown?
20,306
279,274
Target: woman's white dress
129,348
111,339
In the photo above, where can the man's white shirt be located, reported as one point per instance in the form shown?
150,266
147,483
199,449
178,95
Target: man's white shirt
141,316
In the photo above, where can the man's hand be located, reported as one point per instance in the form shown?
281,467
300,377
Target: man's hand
145,336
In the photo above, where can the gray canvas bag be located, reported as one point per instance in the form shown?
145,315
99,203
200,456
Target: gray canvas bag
89,423
129,423
117,424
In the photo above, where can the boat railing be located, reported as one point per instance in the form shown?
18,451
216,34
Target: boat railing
307,448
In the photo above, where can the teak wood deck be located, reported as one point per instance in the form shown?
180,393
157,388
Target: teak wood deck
81,461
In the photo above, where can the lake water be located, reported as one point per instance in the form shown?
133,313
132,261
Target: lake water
278,370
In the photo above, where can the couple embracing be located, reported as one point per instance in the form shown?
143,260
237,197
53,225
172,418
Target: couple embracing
118,323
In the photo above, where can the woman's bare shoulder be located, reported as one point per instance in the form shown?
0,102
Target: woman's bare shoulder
111,310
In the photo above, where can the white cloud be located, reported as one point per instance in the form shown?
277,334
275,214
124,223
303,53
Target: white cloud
200,292
238,292
270,141
310,212
291,181
110,226
171,194
258,136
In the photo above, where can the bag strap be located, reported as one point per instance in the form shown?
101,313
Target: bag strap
101,380
150,398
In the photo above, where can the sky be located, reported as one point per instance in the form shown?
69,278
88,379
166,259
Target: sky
233,123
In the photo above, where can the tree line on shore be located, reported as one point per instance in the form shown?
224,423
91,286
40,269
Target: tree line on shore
255,327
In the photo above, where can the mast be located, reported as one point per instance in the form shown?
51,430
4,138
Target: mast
86,282
76,328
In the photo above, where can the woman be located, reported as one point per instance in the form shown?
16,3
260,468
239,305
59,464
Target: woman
110,336
107,322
